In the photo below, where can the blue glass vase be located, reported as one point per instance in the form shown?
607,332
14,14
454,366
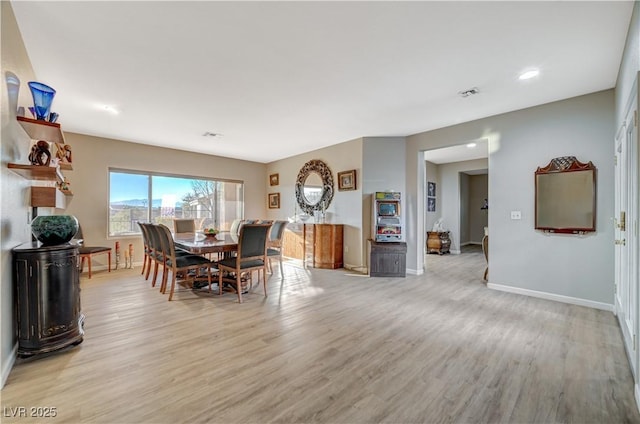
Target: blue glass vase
42,98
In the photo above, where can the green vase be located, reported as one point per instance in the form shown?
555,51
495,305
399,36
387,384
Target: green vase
52,230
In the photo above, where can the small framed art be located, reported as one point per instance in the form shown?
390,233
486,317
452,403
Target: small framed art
274,179
347,180
274,200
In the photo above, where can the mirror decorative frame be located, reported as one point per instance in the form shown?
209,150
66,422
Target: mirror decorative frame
323,169
568,205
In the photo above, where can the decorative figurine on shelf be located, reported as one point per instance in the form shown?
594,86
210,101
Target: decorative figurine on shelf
40,154
63,152
64,185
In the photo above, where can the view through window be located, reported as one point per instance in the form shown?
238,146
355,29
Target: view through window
147,197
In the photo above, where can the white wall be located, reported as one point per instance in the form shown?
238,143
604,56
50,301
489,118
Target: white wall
519,142
14,193
346,207
89,180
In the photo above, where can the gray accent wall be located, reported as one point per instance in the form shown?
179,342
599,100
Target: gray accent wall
521,257
454,198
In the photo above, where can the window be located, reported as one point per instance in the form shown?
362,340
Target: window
147,197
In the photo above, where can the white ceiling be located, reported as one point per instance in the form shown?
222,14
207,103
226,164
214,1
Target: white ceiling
282,78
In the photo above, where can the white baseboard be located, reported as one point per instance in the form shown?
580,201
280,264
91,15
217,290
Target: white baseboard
105,267
454,251
466,243
415,271
552,296
6,369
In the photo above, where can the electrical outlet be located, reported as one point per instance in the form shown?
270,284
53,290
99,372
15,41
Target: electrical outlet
516,215
346,249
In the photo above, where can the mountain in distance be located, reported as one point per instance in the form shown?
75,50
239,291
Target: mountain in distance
139,203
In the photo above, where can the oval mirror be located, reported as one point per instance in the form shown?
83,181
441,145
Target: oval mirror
314,186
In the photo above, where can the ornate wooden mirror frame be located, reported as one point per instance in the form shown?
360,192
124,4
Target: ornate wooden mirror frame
566,196
321,168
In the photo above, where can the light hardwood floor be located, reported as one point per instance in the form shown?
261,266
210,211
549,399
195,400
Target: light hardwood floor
326,347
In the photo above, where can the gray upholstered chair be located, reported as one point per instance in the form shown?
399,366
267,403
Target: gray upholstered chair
274,246
177,263
252,256
184,225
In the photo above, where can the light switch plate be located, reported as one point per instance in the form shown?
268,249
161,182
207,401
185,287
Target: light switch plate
516,215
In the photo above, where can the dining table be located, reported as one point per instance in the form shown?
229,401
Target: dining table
200,244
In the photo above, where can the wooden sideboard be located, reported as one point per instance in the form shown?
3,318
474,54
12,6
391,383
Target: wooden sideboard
317,245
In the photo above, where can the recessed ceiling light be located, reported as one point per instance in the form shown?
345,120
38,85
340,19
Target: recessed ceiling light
471,145
109,109
532,73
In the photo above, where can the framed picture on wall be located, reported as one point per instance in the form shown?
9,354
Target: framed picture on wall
274,179
347,180
431,204
431,189
274,200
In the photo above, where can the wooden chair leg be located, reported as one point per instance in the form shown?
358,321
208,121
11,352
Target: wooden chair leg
82,264
173,284
264,280
239,286
89,263
219,282
109,263
144,263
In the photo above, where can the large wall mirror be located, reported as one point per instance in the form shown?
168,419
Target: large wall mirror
314,186
566,196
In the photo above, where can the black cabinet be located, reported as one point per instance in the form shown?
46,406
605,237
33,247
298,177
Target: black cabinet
388,259
47,288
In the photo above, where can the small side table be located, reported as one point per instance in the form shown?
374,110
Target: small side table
438,242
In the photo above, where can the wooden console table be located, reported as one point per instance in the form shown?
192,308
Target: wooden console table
438,242
317,245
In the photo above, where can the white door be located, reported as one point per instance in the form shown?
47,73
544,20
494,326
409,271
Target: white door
626,298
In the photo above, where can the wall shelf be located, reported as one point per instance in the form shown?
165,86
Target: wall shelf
49,197
42,130
36,172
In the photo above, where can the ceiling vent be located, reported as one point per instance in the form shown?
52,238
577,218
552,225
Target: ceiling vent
469,92
211,134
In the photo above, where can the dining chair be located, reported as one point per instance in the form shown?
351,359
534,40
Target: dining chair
184,225
235,226
176,263
274,245
252,256
146,246
88,252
